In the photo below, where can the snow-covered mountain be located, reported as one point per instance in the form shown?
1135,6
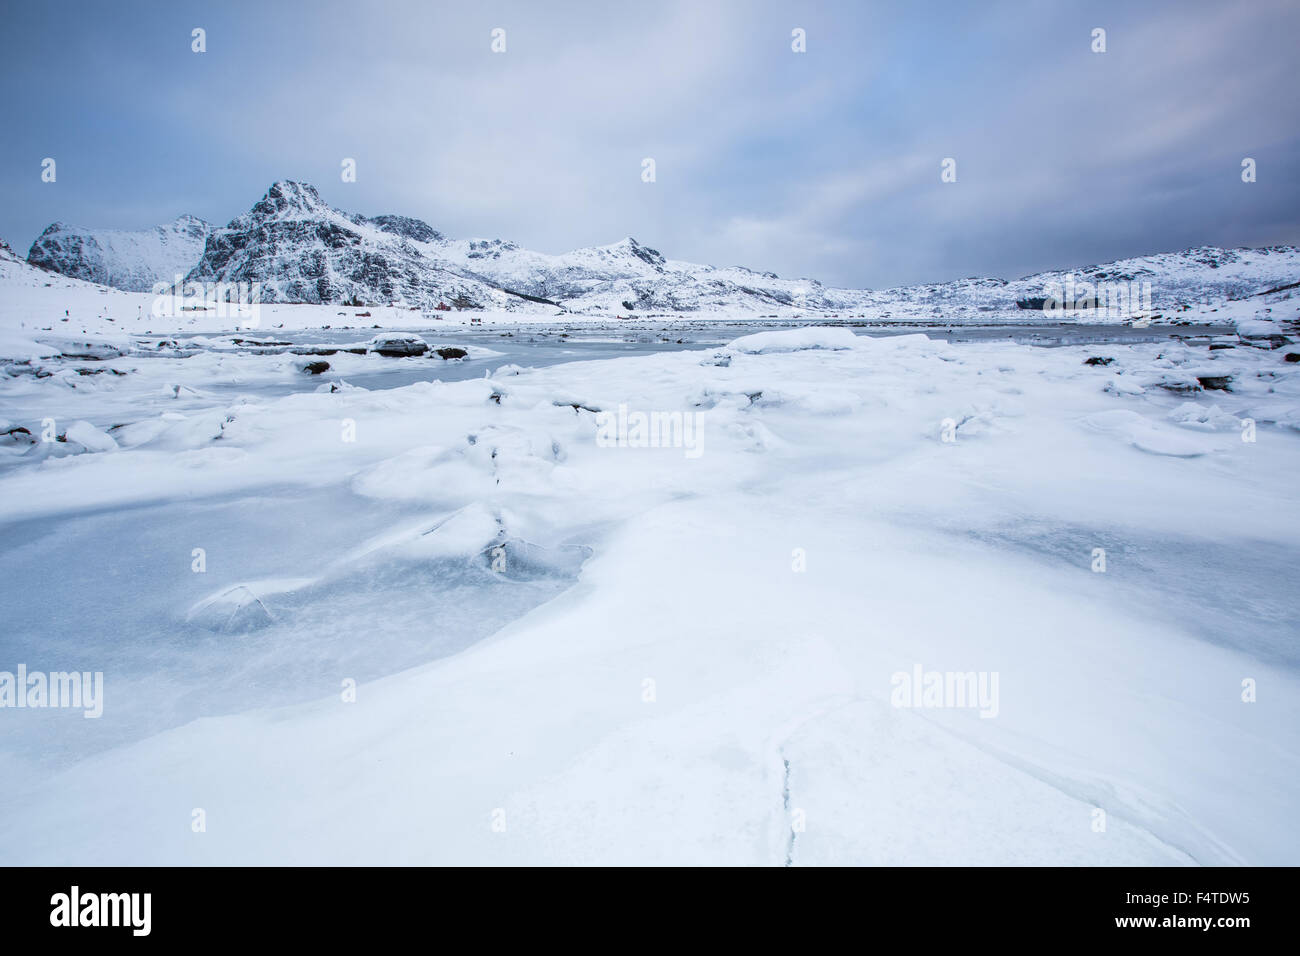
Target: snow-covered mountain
1177,281
567,276
301,249
132,261
627,276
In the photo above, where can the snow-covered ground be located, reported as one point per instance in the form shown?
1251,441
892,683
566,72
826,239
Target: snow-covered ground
478,621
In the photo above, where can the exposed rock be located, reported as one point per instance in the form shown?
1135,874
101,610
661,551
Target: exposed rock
1215,382
15,434
90,351
397,346
576,406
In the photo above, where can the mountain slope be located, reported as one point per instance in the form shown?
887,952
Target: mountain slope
132,261
301,249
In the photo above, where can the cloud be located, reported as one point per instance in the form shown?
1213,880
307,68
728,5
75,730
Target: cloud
824,163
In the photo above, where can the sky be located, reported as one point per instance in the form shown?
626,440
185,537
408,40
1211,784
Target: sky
823,164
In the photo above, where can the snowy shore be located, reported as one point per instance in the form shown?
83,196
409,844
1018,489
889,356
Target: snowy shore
501,632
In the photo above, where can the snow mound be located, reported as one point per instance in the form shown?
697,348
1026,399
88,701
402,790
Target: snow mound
89,437
17,347
1146,435
797,340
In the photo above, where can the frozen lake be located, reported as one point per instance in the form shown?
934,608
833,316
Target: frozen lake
372,557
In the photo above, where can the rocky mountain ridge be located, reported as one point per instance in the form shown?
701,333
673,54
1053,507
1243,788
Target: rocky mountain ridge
302,249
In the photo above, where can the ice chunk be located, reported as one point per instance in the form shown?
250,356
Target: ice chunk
1192,415
240,608
1123,385
89,437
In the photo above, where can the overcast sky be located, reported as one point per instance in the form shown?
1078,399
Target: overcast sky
823,164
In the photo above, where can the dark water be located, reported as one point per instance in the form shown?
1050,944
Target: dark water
529,349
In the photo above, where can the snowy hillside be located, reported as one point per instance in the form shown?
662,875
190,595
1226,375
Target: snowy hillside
1204,276
559,277
132,261
301,249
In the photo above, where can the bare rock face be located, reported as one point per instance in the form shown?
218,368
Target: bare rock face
134,261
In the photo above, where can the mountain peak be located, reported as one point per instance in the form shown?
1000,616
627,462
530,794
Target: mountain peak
188,225
631,247
288,198
405,226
